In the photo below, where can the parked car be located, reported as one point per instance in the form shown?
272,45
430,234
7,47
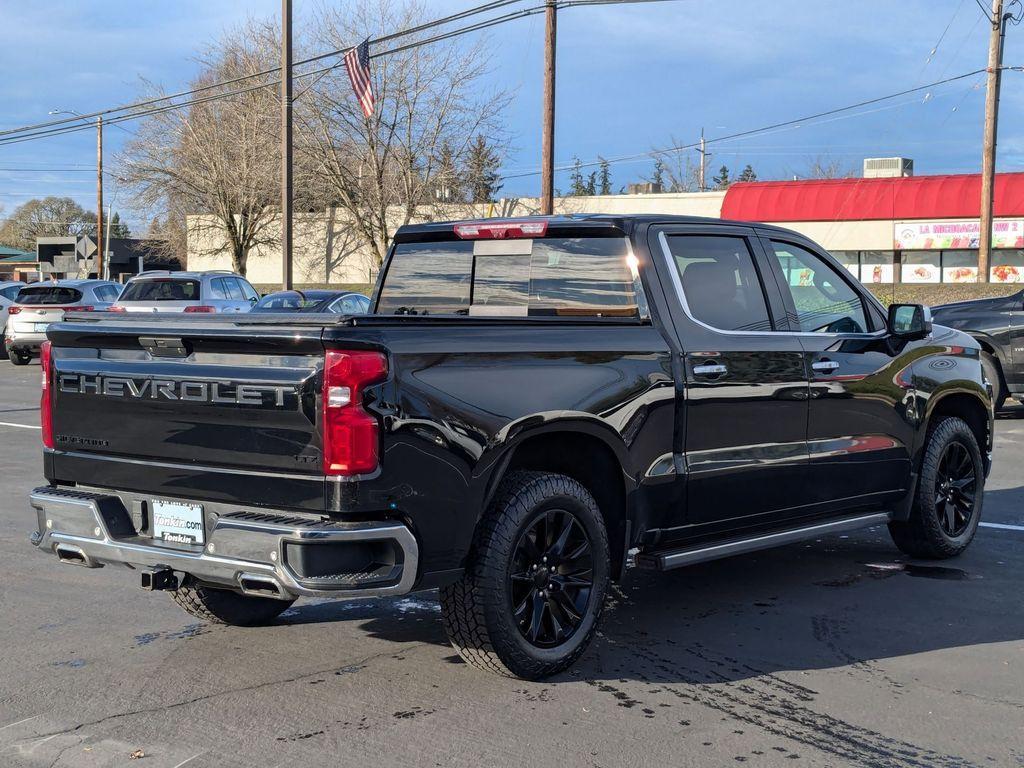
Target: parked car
532,407
38,305
997,324
8,291
337,302
207,292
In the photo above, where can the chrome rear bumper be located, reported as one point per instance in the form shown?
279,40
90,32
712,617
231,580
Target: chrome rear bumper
245,550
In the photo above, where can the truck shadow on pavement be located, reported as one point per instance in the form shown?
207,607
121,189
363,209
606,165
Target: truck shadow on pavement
841,601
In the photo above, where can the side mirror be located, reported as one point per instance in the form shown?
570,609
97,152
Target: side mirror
910,321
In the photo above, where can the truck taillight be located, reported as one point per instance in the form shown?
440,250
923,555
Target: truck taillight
350,433
45,397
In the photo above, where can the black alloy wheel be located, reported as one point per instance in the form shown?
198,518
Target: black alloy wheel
956,483
551,578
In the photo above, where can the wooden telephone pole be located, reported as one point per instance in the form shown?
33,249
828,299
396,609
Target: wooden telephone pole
286,144
100,255
547,151
988,157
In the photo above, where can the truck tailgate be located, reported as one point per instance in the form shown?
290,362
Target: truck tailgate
170,396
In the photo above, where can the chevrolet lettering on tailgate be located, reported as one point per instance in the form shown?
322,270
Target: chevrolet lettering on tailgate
220,392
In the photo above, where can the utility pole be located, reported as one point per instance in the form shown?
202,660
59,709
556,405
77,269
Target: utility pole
99,198
286,143
988,157
703,162
547,150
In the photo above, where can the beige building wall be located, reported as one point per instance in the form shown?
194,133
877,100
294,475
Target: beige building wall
326,251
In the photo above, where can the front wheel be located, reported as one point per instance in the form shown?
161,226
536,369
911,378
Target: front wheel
948,500
531,597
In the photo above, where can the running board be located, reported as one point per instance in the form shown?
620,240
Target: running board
664,561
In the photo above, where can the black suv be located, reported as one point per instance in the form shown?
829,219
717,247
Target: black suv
533,407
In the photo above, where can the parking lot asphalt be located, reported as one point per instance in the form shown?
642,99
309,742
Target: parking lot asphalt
833,652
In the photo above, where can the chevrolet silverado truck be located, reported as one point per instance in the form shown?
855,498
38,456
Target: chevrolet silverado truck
532,407
997,324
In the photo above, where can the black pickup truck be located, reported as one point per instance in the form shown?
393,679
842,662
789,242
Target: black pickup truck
997,324
532,407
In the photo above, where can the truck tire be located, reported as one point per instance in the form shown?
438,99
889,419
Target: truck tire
222,606
531,596
994,373
949,496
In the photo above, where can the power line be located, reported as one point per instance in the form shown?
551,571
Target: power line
754,131
73,125
319,57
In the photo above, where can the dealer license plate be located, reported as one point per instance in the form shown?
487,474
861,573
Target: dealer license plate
178,523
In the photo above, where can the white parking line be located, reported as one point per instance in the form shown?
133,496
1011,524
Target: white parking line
19,426
1002,526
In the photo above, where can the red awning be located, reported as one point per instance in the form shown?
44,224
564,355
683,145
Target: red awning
918,197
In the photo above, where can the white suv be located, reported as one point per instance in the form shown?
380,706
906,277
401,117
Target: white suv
218,291
40,304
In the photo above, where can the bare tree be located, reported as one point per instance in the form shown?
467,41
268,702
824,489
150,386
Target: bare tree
827,167
384,170
218,160
679,170
48,217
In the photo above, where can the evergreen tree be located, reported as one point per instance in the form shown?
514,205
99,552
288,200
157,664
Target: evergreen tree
591,185
658,176
482,178
118,229
604,178
446,178
577,182
747,174
722,180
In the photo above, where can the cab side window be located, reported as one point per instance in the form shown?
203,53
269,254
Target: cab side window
721,285
824,301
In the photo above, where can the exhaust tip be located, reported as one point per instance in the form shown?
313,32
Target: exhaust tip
72,555
261,586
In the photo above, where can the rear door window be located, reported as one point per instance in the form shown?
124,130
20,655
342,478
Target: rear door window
10,292
721,285
234,289
588,277
161,290
49,294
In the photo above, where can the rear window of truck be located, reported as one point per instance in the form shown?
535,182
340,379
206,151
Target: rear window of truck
49,294
161,290
573,277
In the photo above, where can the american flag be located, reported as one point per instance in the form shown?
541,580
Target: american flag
357,62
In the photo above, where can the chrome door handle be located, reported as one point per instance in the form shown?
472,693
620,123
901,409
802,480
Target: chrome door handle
709,370
825,365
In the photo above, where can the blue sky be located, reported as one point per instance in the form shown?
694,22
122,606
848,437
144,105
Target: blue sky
631,78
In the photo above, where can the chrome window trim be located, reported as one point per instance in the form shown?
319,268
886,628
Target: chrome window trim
677,284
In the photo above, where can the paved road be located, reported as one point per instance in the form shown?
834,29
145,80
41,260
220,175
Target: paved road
836,652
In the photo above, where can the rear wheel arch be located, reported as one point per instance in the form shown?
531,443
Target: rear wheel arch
584,456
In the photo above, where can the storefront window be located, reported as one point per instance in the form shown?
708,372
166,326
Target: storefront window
959,266
876,266
921,267
1007,266
850,260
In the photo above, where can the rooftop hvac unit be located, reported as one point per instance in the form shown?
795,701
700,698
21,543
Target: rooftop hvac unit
888,167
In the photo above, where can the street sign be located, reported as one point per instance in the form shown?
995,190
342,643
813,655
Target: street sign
85,247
